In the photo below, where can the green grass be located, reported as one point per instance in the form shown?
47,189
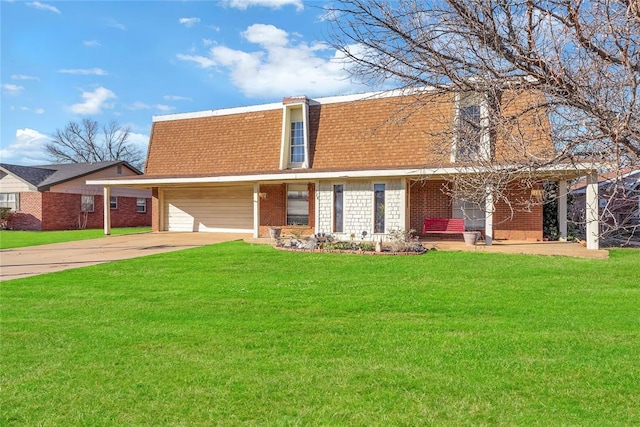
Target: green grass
17,239
239,334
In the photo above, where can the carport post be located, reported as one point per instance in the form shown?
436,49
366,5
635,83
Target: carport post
256,210
107,209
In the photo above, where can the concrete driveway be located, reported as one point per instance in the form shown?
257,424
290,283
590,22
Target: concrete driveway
33,260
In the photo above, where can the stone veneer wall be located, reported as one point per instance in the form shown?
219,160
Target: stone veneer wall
358,207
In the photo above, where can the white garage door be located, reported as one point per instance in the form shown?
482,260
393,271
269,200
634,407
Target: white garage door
223,209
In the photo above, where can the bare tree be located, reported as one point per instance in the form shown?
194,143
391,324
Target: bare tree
581,58
85,141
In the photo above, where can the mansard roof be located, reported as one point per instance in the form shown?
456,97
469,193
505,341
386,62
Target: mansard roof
381,130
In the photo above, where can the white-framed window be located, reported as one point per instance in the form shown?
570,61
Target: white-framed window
474,214
141,205
10,200
471,136
113,202
297,204
297,143
378,208
86,204
338,208
295,130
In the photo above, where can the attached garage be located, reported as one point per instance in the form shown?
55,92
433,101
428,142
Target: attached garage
216,209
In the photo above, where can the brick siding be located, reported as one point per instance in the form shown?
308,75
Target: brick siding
428,201
273,210
62,211
29,216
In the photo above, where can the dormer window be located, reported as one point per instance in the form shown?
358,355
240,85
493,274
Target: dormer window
295,133
471,138
297,142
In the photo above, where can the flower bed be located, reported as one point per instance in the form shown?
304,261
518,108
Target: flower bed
401,243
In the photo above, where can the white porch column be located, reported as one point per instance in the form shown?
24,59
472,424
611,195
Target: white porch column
316,208
591,212
256,210
488,220
562,210
106,195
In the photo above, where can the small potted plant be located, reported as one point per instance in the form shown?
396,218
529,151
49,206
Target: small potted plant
471,237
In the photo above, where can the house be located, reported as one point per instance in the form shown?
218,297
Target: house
372,162
618,201
56,197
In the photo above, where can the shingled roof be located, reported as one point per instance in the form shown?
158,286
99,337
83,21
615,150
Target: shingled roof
44,176
368,132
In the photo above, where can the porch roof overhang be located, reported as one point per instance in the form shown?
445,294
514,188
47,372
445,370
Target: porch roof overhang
554,172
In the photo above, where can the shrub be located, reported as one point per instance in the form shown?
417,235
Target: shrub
404,241
5,216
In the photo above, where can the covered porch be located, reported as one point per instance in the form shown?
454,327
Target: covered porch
403,209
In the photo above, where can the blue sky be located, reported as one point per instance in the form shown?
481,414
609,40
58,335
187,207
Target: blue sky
128,61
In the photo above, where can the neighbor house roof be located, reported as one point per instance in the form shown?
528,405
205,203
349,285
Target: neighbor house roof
629,177
43,177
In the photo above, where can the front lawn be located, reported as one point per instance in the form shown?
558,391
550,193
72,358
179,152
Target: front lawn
244,334
18,239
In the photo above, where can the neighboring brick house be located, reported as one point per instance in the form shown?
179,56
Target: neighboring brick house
339,165
56,197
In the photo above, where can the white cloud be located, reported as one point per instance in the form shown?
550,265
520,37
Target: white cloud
84,71
37,110
26,149
176,98
139,140
164,108
273,4
23,77
116,24
189,22
12,89
266,35
93,101
202,61
43,6
91,43
138,105
281,66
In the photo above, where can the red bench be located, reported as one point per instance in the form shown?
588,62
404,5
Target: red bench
443,226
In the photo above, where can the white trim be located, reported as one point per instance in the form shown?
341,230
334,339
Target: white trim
277,105
215,113
310,175
285,145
